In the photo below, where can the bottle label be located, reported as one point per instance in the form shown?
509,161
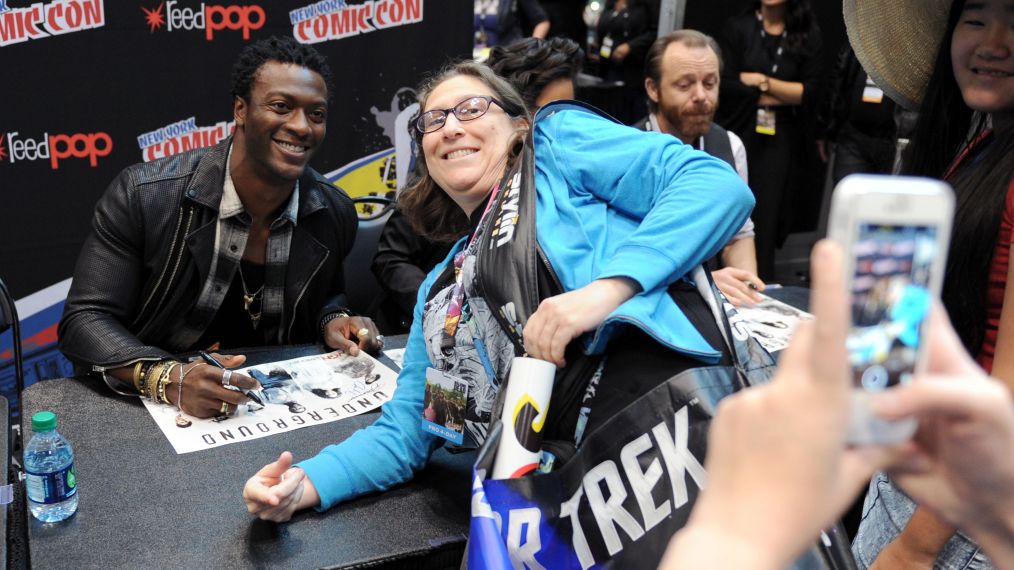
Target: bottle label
49,488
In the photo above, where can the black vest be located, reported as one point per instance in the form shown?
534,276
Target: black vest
716,142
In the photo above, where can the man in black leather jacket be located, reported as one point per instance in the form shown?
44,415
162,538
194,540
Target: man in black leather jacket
240,244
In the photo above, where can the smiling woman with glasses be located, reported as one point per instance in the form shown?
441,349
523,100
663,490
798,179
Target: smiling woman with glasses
469,109
565,220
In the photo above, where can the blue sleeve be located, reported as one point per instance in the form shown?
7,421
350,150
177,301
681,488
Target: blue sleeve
395,444
686,203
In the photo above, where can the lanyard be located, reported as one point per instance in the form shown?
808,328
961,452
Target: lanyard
778,54
965,152
454,307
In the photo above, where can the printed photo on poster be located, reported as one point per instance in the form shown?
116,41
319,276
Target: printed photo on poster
294,393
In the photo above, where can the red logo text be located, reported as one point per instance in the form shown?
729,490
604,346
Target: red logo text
57,147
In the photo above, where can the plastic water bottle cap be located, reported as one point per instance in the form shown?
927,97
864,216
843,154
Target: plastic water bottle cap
43,421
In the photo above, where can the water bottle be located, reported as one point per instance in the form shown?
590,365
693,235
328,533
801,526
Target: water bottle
49,464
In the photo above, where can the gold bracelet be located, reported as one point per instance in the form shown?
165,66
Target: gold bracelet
163,382
137,375
152,380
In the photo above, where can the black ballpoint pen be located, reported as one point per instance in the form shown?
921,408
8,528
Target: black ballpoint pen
214,362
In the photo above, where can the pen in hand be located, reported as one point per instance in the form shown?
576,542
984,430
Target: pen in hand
214,362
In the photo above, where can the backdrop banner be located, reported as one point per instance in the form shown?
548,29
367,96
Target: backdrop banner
93,86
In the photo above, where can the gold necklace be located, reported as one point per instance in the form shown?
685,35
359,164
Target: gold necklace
249,298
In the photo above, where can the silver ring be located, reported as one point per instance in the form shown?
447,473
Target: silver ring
227,377
380,338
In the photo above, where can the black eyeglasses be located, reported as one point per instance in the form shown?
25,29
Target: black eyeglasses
468,110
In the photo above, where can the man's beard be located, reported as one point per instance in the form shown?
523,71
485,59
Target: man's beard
689,126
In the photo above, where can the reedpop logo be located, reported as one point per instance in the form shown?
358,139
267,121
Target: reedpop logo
55,147
211,19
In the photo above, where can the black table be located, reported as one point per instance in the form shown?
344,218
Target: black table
798,297
144,506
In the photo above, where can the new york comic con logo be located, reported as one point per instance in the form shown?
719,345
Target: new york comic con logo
40,21
334,19
14,147
181,136
210,18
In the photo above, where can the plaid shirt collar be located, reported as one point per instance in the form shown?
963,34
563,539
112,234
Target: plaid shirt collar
230,243
231,205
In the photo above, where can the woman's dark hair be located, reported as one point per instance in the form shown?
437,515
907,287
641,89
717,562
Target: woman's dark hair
430,211
282,49
945,126
530,64
799,24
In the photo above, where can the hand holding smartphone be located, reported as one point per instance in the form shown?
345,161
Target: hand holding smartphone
895,232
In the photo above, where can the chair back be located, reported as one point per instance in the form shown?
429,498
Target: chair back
361,288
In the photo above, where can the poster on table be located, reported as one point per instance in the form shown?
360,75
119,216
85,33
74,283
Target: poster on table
772,322
294,394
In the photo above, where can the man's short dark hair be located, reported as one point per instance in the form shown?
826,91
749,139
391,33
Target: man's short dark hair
689,38
281,49
531,64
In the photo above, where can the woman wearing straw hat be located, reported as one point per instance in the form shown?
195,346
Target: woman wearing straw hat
965,93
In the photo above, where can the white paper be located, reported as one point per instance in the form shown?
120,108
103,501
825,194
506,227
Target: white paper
297,393
772,322
397,355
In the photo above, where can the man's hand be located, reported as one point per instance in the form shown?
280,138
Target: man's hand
561,318
203,392
340,332
278,490
739,286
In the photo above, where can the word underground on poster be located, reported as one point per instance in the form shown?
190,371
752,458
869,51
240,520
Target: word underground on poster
294,393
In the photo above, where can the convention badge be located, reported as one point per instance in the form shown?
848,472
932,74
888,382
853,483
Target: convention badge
872,93
607,48
765,121
444,405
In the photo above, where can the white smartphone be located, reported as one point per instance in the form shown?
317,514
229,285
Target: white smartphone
895,232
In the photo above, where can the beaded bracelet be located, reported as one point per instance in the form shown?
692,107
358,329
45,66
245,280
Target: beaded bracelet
150,379
142,384
340,313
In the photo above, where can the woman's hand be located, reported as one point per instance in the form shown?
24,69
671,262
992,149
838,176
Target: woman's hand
203,394
278,490
739,286
620,52
338,334
562,318
751,78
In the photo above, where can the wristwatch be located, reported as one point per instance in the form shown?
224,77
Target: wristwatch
764,85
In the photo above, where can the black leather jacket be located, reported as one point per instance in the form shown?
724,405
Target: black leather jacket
151,248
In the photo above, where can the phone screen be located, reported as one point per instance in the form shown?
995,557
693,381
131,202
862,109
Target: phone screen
890,300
